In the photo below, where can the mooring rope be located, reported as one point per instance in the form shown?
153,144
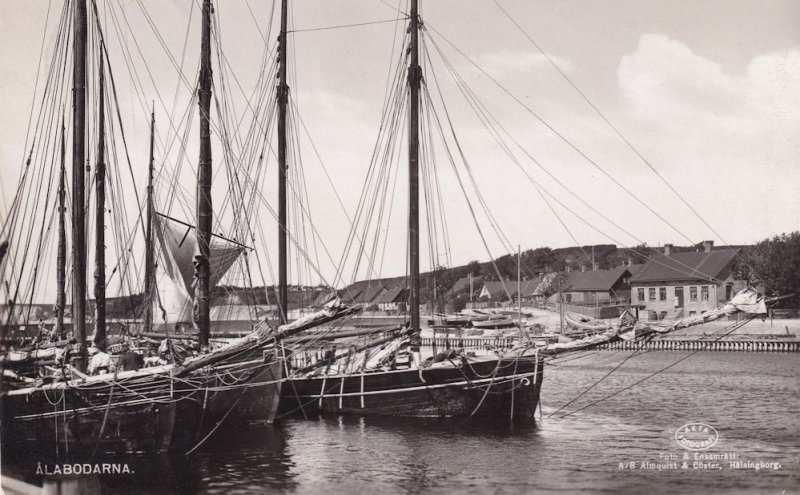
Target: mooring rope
665,368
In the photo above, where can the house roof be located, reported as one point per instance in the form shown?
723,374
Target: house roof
503,288
323,297
595,280
369,294
685,266
394,295
636,268
463,284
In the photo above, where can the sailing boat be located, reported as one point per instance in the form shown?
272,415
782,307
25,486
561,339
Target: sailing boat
389,377
112,401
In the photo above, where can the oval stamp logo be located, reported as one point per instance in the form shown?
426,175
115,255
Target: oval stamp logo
696,436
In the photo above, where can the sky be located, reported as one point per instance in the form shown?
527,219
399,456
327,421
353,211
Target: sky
705,91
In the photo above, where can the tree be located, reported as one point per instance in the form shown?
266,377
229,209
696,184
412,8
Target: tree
640,253
774,264
474,268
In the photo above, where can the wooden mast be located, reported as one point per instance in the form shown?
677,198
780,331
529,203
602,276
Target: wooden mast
204,174
283,100
78,182
61,260
148,236
414,76
100,206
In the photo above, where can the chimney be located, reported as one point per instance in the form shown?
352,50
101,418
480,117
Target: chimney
629,262
583,268
595,266
708,246
568,269
667,249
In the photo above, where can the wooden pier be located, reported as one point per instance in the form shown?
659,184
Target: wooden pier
763,345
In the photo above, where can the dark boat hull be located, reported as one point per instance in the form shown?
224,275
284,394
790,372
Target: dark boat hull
248,391
109,417
507,388
149,413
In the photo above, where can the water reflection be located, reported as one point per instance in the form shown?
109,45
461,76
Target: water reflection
750,398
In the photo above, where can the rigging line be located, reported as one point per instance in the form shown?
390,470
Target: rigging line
61,34
492,221
395,8
480,106
560,135
482,114
608,122
464,191
481,110
628,387
33,100
590,387
325,28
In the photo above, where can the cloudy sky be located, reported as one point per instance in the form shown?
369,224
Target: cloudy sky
706,91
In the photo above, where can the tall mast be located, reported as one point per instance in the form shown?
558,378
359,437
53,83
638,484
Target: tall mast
283,99
414,76
100,241
204,210
61,261
78,180
148,236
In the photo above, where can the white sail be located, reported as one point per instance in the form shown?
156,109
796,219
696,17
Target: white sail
175,270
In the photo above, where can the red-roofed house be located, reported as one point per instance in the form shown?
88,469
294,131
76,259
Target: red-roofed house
674,285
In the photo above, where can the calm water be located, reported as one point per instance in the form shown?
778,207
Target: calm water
751,399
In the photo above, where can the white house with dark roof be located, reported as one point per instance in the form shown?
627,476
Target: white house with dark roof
674,285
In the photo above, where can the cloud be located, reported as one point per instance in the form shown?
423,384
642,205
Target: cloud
665,83
719,136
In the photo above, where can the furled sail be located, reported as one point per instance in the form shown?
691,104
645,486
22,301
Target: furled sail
175,270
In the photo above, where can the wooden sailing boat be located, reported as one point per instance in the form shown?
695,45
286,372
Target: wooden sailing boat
177,403
392,380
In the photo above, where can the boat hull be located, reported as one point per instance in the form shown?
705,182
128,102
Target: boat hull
103,418
508,389
150,413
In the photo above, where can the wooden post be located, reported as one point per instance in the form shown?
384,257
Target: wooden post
283,168
414,77
204,174
78,182
149,254
61,260
100,217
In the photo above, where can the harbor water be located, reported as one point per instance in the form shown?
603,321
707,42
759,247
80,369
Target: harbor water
624,444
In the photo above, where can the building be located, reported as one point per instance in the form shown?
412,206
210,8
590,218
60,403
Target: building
462,285
597,287
392,299
674,285
506,290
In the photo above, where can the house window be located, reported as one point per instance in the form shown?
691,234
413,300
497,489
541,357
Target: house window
568,298
651,292
693,293
692,313
704,293
662,293
640,293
